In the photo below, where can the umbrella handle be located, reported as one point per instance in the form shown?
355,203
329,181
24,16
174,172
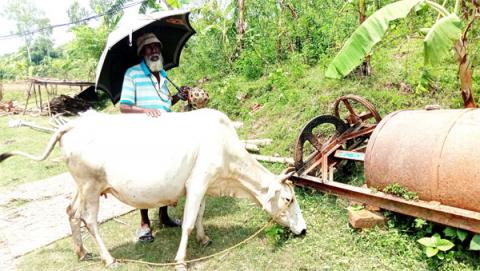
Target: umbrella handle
180,95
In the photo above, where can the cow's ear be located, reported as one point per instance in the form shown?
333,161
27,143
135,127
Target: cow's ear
273,189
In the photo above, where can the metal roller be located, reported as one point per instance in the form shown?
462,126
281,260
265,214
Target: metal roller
433,153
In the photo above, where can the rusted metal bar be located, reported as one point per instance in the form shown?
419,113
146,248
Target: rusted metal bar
432,211
361,132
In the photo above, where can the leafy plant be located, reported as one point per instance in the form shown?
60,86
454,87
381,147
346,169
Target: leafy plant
445,34
276,234
400,191
455,233
419,223
475,242
278,79
436,246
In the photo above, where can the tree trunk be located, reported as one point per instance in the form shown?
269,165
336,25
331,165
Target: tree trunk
281,37
1,90
465,73
27,44
240,30
365,68
241,25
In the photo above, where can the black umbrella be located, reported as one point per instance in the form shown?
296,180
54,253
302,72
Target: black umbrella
172,28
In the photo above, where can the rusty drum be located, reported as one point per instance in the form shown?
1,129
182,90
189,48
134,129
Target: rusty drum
433,153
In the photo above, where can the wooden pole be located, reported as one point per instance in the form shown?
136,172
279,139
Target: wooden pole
284,160
29,93
40,97
48,101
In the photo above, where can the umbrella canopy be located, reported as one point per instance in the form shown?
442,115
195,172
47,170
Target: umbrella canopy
172,28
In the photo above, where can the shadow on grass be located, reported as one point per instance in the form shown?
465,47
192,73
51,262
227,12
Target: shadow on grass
165,245
214,206
222,224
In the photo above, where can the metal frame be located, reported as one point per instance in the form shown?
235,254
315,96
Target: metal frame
432,211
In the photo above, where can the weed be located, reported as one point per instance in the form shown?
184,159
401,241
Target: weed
400,191
436,246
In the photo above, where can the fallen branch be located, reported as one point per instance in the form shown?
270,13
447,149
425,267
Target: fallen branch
272,159
19,123
260,142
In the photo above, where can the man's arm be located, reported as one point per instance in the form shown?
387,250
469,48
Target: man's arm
125,108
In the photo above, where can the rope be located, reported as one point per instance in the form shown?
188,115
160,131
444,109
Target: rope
220,252
201,258
217,253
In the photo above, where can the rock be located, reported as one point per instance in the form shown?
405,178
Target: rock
362,219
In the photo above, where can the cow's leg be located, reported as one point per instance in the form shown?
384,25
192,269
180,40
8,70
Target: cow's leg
201,237
89,217
73,212
193,201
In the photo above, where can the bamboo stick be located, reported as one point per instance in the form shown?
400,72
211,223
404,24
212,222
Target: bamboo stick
259,142
272,159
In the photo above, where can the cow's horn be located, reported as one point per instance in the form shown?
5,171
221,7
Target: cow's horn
286,176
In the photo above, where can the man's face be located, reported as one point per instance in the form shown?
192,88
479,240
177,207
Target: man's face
151,51
153,56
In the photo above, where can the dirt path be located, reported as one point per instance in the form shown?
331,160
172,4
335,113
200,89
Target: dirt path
33,215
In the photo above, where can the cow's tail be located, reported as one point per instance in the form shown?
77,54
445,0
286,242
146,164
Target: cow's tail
53,140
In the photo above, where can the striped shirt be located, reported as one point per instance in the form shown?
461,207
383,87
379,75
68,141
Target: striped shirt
141,88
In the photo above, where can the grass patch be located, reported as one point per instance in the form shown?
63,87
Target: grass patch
400,191
329,244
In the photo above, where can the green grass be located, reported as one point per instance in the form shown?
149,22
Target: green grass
330,243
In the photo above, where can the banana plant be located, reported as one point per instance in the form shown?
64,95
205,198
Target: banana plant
444,35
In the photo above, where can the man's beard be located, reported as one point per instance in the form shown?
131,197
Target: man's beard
154,62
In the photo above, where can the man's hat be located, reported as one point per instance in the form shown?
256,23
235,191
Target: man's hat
145,39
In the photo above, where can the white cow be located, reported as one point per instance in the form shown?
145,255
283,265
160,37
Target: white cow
151,162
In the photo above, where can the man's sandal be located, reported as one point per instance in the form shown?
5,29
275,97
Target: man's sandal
144,235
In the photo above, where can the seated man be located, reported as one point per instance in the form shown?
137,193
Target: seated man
145,91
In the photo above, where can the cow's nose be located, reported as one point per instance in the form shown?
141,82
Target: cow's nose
303,232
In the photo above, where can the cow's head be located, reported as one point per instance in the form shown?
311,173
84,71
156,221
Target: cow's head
281,203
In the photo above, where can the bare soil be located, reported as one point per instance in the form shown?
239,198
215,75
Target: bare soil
33,215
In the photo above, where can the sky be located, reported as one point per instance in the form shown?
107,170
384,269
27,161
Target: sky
55,10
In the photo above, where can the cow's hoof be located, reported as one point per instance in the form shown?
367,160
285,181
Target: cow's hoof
113,264
181,266
206,243
86,257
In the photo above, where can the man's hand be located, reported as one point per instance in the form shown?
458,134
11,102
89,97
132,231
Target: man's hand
125,108
184,92
152,112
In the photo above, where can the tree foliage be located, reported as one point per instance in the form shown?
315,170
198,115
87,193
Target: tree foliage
28,18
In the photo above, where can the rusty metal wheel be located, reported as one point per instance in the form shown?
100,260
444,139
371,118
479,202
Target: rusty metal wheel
315,134
354,111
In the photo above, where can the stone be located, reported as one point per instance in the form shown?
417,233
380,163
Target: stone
363,219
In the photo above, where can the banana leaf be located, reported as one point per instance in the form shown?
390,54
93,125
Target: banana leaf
366,36
439,40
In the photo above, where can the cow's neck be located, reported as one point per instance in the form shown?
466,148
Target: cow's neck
252,179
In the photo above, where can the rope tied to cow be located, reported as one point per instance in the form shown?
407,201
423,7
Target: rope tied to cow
201,258
279,213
